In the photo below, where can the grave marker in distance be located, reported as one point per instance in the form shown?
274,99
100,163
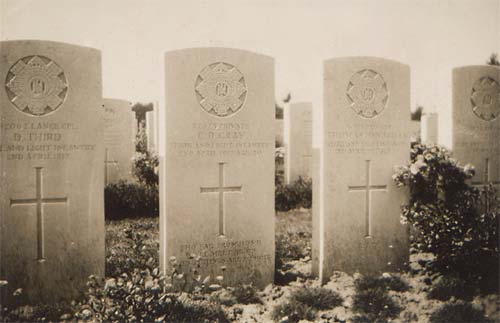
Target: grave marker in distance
298,121
119,140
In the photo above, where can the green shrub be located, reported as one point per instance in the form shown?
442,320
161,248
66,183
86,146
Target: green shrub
124,199
456,222
318,298
297,194
459,312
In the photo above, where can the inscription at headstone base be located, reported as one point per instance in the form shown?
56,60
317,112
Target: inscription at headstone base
298,121
217,181
119,140
476,121
51,170
367,131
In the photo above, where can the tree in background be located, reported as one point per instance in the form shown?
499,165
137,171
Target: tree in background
493,60
417,114
279,107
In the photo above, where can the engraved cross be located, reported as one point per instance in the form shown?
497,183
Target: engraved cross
368,188
221,189
39,201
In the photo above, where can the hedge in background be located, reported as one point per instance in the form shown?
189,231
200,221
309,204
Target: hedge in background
296,195
125,199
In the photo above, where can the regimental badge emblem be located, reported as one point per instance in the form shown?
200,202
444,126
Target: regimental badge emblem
485,98
221,89
36,85
367,93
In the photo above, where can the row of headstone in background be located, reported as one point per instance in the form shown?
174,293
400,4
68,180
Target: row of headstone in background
119,140
217,196
429,130
298,141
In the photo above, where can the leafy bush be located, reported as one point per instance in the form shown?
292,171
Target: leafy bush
297,194
458,313
456,222
124,199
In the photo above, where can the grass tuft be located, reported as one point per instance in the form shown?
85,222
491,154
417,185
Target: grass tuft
318,298
295,311
246,294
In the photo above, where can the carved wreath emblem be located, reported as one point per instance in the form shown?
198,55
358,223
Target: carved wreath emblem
221,89
485,98
367,93
36,85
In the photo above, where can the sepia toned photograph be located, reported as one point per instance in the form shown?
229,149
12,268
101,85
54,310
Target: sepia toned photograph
248,161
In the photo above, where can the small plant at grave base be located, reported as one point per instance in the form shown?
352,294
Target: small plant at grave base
303,304
295,195
318,298
458,313
188,278
373,302
456,222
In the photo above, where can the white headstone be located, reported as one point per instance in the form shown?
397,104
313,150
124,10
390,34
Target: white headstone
51,176
476,121
367,132
217,198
